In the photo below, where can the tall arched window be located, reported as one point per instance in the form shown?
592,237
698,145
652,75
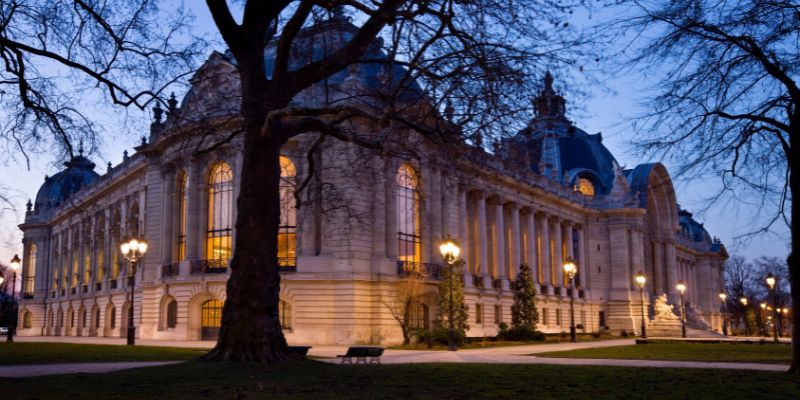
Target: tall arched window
100,246
408,208
26,320
112,318
76,259
116,237
30,271
172,314
133,220
220,213
87,253
287,231
183,182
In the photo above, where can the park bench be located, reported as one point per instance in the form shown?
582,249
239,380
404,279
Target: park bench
362,354
299,350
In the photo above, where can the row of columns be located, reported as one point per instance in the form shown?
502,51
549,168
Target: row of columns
497,236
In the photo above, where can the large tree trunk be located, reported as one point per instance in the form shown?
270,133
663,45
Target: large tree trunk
794,256
251,329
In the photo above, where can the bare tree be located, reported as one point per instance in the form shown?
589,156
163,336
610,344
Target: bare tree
728,102
470,63
408,297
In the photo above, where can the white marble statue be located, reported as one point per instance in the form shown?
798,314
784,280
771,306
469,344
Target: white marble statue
662,310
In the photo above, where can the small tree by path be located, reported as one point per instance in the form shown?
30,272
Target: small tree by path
460,315
523,311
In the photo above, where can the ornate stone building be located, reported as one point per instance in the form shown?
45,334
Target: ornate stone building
550,192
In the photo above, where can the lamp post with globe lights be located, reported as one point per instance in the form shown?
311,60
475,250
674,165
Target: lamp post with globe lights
764,316
771,281
571,269
641,280
450,252
682,289
743,300
12,322
722,298
133,251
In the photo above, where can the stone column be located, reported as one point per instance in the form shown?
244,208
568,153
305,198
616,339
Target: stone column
546,258
586,269
637,254
533,262
671,269
658,266
567,226
391,210
500,247
194,195
463,234
433,205
379,222
516,242
168,219
483,260
558,256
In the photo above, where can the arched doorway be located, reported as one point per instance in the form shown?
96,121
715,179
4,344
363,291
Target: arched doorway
210,319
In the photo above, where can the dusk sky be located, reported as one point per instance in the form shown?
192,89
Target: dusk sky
608,110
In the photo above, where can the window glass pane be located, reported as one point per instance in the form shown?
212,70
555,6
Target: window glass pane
220,211
408,221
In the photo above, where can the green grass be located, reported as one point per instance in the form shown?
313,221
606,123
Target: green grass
51,353
713,352
315,380
476,343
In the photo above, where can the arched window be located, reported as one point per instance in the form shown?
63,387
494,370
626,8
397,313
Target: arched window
287,231
584,186
408,224
182,195
210,319
112,318
26,320
220,214
133,220
97,319
30,272
285,314
76,259
83,318
87,253
172,314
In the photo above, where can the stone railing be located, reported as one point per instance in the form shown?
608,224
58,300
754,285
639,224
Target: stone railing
169,270
424,270
208,266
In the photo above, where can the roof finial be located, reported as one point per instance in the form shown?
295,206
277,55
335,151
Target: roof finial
157,112
28,205
548,82
80,148
549,103
172,104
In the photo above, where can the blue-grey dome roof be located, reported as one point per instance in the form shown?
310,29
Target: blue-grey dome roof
551,145
692,229
58,188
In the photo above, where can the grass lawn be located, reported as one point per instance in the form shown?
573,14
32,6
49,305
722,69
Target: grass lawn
476,343
316,380
721,352
52,353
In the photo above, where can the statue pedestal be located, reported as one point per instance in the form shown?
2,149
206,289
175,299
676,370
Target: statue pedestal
664,327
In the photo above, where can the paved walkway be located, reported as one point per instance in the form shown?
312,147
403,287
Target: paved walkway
495,355
23,371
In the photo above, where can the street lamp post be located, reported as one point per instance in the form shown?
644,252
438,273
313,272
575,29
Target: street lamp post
641,280
450,252
571,269
12,322
682,289
743,300
133,250
722,297
764,317
771,281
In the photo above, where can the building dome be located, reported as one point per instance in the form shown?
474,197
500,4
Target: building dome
692,229
553,147
56,189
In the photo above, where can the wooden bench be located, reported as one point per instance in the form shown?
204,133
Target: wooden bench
300,350
362,354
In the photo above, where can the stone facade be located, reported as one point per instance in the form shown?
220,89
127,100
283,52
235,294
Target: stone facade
548,193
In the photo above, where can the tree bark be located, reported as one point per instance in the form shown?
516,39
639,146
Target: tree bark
251,329
794,256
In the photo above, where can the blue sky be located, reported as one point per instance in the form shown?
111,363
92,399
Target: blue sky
608,109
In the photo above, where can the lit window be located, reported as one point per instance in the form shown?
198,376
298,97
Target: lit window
26,320
112,318
211,314
287,231
220,214
420,315
408,224
182,183
100,246
584,186
479,314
